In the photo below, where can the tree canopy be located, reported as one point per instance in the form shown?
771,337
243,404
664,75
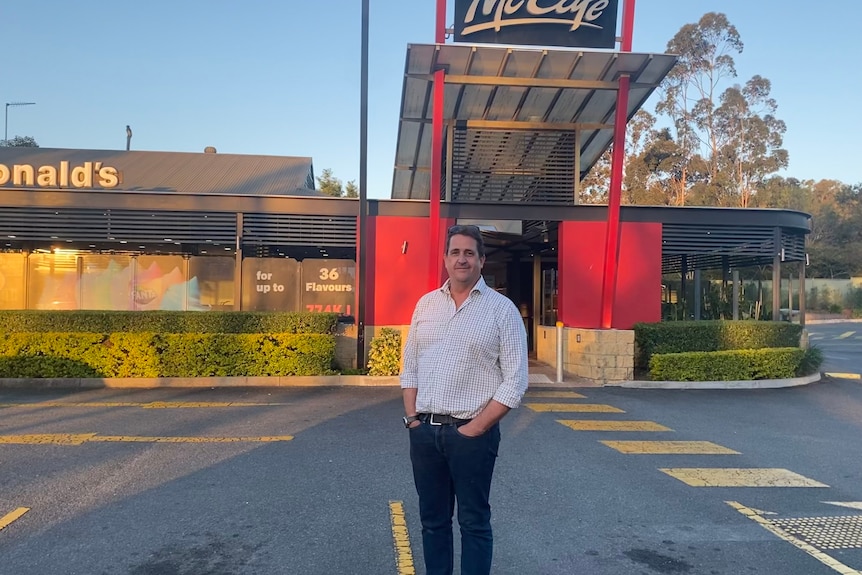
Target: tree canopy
719,142
19,142
332,186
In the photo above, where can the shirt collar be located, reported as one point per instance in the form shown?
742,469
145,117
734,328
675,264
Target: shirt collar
480,286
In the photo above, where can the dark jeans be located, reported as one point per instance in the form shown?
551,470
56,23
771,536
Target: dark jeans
450,467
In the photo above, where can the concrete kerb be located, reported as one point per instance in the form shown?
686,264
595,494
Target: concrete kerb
199,382
360,381
753,384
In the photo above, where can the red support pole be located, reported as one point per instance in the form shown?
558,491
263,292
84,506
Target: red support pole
612,239
440,30
435,262
628,25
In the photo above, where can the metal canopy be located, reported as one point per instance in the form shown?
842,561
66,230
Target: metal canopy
517,111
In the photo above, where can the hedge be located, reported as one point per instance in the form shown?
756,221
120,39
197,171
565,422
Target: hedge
165,355
167,322
687,336
733,365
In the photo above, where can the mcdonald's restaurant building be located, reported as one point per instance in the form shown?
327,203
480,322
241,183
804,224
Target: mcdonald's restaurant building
502,136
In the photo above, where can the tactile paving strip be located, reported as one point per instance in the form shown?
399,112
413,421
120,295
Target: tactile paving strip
837,532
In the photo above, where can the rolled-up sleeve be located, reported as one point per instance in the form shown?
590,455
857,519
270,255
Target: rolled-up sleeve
513,357
410,359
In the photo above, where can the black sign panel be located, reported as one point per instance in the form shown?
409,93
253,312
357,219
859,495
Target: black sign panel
328,286
581,23
270,284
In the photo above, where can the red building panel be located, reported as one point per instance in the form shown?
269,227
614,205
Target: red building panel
398,259
581,257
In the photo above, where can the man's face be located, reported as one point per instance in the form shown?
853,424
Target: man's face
462,260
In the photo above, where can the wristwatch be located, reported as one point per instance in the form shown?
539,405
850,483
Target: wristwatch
408,419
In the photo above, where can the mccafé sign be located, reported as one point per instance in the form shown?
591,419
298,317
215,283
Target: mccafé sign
86,175
581,23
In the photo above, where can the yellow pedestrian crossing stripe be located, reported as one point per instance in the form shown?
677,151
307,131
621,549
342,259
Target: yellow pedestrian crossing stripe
574,407
601,425
81,438
10,518
669,447
740,477
554,394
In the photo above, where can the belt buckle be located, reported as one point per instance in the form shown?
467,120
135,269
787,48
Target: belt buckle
431,420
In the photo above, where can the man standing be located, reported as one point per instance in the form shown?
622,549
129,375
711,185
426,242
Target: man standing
464,368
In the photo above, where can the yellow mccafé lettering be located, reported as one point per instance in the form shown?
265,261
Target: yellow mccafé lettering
86,175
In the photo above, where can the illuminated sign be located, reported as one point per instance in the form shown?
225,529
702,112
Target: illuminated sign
582,23
86,175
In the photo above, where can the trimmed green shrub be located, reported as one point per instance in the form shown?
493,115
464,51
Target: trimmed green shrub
166,355
384,357
811,361
679,337
167,322
743,364
32,366
225,355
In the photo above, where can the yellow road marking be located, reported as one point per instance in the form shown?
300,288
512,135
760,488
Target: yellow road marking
827,560
148,405
845,335
844,375
688,447
740,477
79,439
401,537
47,438
555,394
9,518
574,407
596,425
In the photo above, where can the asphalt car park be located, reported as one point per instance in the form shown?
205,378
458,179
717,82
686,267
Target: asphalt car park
317,481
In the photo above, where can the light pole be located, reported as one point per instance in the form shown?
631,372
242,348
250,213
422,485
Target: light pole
6,122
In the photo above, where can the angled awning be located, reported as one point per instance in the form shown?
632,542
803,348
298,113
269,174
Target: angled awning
518,110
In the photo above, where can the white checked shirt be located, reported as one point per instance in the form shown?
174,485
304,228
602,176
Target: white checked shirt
459,359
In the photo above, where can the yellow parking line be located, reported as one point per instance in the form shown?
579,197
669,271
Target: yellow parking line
843,375
46,438
401,538
827,560
845,335
555,394
740,477
597,425
669,447
574,407
81,438
148,405
9,518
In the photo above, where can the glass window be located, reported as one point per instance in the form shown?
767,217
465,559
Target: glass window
160,282
212,279
53,281
106,282
12,294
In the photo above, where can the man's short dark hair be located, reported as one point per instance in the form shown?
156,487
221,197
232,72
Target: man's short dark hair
470,231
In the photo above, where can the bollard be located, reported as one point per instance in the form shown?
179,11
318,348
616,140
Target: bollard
559,352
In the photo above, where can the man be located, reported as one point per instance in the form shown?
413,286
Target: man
464,368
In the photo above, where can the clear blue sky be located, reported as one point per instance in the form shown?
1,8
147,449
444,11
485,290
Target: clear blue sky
282,77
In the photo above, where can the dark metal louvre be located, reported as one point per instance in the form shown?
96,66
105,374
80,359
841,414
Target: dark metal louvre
299,230
94,225
717,246
513,166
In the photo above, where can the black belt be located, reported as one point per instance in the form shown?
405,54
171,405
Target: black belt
438,419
